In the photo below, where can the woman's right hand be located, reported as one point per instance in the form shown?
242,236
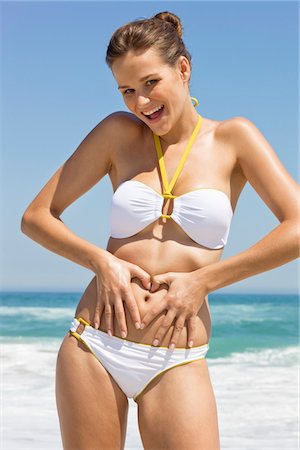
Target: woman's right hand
113,277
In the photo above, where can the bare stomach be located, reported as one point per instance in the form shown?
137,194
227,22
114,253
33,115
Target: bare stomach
148,255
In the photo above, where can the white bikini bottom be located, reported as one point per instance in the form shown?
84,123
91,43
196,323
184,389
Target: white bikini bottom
131,364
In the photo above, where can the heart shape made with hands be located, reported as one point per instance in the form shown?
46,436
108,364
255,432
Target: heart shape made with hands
155,286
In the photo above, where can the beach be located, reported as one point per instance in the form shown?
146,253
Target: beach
253,364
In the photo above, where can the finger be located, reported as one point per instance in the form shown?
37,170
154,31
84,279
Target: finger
109,318
164,327
156,309
157,280
97,315
191,331
99,304
154,285
177,331
120,315
132,307
145,278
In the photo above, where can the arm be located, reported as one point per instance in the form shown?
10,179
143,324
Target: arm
48,230
280,192
41,220
85,167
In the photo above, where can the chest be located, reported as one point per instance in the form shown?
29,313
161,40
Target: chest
209,163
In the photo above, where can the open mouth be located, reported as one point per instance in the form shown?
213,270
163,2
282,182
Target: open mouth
156,114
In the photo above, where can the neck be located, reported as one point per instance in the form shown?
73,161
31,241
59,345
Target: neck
183,128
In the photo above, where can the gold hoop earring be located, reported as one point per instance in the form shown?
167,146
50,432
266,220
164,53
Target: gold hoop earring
195,101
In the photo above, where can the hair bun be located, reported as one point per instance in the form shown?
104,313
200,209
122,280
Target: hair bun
172,19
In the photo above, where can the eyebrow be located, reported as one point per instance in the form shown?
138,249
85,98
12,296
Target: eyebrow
142,79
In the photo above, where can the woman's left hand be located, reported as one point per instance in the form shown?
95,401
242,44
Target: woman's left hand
183,300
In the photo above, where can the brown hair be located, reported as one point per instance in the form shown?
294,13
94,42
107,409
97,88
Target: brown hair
162,32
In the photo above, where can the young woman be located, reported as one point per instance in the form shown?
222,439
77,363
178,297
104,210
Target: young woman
177,177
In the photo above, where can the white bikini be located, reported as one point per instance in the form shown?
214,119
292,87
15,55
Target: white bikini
131,364
205,216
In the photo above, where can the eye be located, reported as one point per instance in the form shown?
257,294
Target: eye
128,91
151,82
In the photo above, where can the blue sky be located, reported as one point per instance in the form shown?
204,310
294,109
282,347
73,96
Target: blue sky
56,87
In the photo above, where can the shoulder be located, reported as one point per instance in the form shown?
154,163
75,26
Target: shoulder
229,129
262,167
122,124
243,136
235,127
117,131
124,132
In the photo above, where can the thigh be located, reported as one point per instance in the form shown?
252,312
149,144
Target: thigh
178,411
92,409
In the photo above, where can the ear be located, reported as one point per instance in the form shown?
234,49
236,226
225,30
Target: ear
184,68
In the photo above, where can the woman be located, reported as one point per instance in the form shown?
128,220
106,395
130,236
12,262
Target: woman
177,177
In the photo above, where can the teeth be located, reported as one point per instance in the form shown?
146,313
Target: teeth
148,113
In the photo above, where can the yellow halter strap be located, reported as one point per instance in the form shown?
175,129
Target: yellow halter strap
168,187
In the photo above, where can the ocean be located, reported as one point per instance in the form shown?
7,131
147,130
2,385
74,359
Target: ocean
253,362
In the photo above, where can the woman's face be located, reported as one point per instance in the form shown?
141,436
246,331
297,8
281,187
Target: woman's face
149,85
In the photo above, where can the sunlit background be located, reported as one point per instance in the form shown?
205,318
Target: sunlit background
56,87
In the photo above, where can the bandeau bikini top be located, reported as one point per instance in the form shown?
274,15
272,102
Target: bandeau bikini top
204,214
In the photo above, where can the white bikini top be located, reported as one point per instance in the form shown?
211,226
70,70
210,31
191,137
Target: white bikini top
204,214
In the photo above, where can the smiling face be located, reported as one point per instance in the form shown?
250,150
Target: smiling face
153,90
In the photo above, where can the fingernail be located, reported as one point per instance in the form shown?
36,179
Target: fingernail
149,285
172,346
109,332
96,325
137,325
155,342
142,326
191,343
123,334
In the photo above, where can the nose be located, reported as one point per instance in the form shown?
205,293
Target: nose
142,101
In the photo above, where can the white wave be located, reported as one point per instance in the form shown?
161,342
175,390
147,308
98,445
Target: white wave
38,313
30,419
235,314
257,395
256,398
34,357
286,357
